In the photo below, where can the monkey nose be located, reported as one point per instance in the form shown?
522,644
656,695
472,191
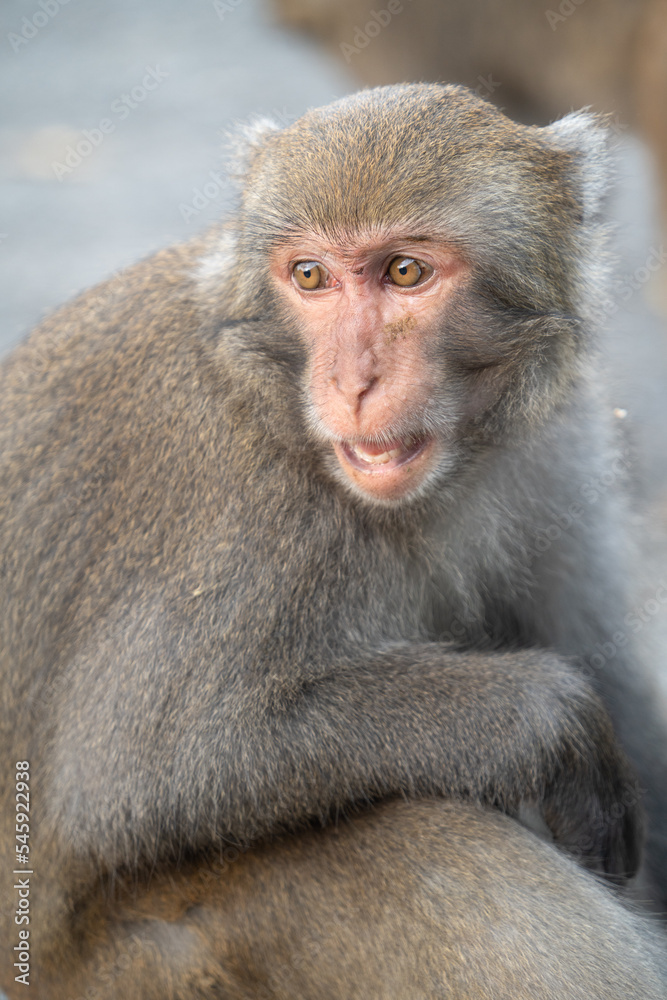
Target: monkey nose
354,374
354,388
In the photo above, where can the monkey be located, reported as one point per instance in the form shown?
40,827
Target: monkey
430,898
537,60
271,503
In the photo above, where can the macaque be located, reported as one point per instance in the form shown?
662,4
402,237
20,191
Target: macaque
273,509
408,901
536,60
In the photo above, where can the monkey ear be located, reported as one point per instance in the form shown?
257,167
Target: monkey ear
586,138
219,261
583,140
244,143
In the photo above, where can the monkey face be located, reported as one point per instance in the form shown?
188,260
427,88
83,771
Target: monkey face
430,260
368,309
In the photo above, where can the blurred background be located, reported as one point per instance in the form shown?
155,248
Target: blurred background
115,113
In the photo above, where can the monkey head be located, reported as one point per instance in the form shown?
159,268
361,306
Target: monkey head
432,262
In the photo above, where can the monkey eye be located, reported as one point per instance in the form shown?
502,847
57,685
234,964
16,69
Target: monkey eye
309,275
406,271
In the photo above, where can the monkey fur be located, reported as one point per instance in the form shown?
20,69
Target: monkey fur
226,614
412,900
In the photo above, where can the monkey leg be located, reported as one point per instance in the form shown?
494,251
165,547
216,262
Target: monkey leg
411,900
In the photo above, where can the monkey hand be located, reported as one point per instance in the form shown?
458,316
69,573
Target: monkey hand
568,756
500,727
598,818
528,724
506,728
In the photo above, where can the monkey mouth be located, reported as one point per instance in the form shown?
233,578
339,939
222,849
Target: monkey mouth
382,457
388,470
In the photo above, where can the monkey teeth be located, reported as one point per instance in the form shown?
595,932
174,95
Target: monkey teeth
371,457
381,459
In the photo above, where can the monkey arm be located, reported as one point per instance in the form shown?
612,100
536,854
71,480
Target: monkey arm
233,659
426,720
408,719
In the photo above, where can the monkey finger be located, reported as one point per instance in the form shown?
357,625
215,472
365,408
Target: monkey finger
603,832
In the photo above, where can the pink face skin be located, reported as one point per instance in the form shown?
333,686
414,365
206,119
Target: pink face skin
370,385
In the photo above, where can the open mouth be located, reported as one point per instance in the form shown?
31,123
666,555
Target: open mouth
380,458
389,470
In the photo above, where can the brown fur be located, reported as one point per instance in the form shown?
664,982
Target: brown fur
528,58
206,637
413,900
